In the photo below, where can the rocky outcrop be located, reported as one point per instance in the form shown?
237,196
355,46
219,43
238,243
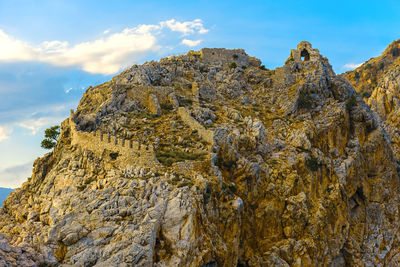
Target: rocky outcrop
383,87
249,167
366,77
17,256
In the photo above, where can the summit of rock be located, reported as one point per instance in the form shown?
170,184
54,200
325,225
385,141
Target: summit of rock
366,77
210,159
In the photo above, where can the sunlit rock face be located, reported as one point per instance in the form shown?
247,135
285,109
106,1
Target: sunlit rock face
210,159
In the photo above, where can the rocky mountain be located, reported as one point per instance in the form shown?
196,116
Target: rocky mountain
210,159
4,192
384,96
366,77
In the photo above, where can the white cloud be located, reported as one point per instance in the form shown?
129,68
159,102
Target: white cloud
352,66
106,55
191,42
106,32
14,176
12,49
34,125
4,133
187,27
48,116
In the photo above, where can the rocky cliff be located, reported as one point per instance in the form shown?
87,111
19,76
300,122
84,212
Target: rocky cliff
383,87
210,159
366,77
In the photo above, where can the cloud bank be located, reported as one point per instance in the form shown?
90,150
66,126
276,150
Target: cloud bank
106,55
352,66
14,176
4,133
191,43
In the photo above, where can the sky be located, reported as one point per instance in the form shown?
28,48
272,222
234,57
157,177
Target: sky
51,51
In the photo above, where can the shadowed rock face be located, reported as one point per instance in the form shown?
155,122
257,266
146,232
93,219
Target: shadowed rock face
378,80
247,167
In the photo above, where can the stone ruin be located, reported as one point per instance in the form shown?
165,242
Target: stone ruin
304,52
98,141
224,56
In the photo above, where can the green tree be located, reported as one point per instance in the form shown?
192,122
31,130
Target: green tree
51,134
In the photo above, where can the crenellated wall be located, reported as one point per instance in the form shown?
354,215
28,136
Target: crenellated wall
98,142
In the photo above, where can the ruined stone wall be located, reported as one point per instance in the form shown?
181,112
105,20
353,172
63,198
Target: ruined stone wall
206,135
306,47
98,142
224,56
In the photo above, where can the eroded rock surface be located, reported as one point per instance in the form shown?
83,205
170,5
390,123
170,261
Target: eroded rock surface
231,165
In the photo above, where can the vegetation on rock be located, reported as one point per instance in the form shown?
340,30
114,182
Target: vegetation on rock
51,134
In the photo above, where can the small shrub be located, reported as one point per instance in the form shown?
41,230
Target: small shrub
233,188
166,106
168,156
351,102
226,164
235,56
244,67
262,67
381,65
273,162
129,126
81,187
290,59
186,183
146,115
187,102
395,52
312,163
366,95
233,65
305,100
224,186
177,88
207,195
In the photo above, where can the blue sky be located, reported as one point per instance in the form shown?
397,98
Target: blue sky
50,51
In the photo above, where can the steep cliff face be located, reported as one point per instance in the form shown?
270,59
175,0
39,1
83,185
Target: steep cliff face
366,77
209,159
384,91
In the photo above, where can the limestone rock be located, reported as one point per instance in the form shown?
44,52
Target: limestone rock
196,161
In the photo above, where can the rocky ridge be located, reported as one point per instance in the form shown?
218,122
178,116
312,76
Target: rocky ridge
231,164
366,77
383,87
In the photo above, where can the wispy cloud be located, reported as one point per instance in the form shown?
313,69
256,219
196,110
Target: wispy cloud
4,133
187,27
34,125
14,176
191,43
106,55
352,66
35,119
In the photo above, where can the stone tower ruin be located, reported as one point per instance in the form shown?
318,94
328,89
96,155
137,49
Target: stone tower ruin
304,52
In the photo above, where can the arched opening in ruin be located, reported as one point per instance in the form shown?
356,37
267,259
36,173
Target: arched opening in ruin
305,56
